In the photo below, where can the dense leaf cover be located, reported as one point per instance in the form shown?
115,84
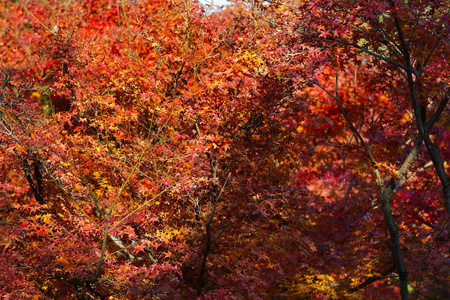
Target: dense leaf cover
166,150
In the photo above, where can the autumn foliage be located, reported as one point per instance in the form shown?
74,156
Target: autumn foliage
165,149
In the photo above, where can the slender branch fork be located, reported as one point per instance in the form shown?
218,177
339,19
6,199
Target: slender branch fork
413,76
385,192
208,221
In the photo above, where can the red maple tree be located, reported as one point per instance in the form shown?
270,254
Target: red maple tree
161,150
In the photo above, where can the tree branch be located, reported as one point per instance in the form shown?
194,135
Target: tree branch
372,279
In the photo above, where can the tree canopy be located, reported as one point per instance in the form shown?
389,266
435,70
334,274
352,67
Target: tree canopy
164,149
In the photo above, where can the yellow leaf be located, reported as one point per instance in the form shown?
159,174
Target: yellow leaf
46,218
